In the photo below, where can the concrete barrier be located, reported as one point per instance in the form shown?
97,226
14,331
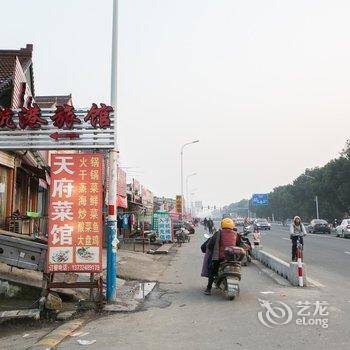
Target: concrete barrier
289,271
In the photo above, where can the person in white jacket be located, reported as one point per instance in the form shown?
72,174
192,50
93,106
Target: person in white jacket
297,229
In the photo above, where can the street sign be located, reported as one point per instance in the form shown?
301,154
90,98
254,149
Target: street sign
57,129
179,204
260,199
75,213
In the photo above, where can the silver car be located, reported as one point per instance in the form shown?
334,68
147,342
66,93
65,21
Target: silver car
343,230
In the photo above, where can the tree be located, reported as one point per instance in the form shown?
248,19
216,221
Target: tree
330,183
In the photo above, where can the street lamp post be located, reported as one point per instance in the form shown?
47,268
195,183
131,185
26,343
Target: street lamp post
316,197
113,164
182,175
112,241
191,201
187,177
317,213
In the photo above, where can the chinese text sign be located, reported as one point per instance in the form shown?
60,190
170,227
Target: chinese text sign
163,225
75,213
260,199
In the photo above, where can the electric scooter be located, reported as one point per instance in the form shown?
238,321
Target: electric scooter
229,274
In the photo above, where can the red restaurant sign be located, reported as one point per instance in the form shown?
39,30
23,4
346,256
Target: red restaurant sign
75,220
61,128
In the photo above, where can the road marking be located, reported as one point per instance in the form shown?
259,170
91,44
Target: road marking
268,292
287,239
320,235
347,252
315,283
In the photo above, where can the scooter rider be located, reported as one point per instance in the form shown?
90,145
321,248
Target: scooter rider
226,237
297,229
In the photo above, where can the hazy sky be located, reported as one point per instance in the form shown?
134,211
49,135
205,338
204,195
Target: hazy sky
263,84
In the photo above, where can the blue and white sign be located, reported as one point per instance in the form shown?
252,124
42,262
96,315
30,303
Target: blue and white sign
164,228
260,199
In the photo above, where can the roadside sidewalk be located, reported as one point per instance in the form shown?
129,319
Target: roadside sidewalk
132,268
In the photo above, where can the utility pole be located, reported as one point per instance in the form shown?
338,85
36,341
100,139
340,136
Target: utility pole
187,198
317,212
112,240
182,175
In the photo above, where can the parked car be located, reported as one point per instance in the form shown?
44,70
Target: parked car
319,226
287,222
261,224
343,230
306,225
239,222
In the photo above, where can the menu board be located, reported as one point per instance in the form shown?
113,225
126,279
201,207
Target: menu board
75,213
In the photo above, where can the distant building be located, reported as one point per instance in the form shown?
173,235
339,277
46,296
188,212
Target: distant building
53,101
167,204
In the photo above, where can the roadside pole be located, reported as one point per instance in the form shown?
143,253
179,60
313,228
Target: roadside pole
182,182
300,267
112,240
182,176
317,213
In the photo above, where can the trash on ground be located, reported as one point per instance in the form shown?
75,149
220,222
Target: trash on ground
86,342
79,334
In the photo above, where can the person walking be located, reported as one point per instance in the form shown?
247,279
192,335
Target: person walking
297,231
205,223
210,226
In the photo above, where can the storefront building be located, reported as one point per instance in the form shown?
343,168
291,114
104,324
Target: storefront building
24,175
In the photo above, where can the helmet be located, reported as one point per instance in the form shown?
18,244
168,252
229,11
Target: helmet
227,223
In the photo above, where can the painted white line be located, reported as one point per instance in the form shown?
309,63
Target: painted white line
287,239
347,252
267,292
315,283
320,235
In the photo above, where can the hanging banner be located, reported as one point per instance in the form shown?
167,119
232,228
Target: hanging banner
75,220
121,186
122,202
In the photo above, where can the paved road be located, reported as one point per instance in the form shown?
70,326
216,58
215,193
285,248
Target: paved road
181,317
327,257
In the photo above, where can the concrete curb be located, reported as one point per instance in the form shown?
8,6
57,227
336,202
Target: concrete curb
54,338
164,249
271,274
289,271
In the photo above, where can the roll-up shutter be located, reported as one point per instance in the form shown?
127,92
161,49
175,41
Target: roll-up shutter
7,159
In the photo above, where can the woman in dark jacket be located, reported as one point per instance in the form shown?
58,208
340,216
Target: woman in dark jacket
216,245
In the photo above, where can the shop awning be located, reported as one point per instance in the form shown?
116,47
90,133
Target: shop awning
32,170
122,202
